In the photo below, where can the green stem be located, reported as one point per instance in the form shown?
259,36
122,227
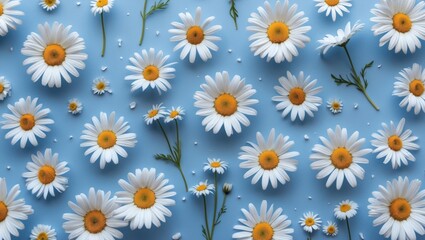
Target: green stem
166,138
178,138
206,218
143,23
370,100
309,236
348,227
215,206
104,34
184,178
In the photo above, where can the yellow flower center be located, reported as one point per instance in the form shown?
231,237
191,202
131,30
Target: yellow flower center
94,221
46,174
174,114
336,105
309,222
27,122
1,9
144,198
102,3
42,236
416,87
201,187
400,209
395,143
278,32
402,22
332,3
100,86
3,211
152,113
226,104
151,73
262,231
195,35
50,3
297,96
345,208
54,55
73,106
106,139
1,88
215,164
331,229
341,158
268,160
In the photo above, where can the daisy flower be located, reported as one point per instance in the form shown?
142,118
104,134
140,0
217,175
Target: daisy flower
342,37
225,103
215,165
94,217
278,33
5,88
145,199
43,232
75,106
100,86
333,7
227,188
267,224
194,37
49,5
345,210
150,70
401,22
54,54
12,212
297,96
411,87
202,189
340,157
310,222
174,114
330,229
335,105
101,6
399,208
27,122
45,174
8,15
394,144
157,112
106,139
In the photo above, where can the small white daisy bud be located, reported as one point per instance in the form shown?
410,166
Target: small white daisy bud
227,188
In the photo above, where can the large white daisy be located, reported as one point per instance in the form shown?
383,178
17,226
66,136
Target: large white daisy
94,217
333,7
225,102
8,15
5,88
297,96
399,208
401,22
150,70
270,160
278,33
342,37
339,157
195,37
395,144
49,5
106,139
12,212
43,232
54,54
410,85
145,199
45,174
100,6
27,121
268,224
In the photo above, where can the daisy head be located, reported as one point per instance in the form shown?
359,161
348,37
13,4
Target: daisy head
297,96
227,188
155,113
49,5
94,217
101,6
401,22
277,34
399,208
345,210
395,144
12,211
45,174
75,106
54,54
310,222
27,121
150,70
146,194
342,37
8,15
5,88
264,224
410,85
195,37
330,229
333,7
202,189
215,165
106,139
174,114
43,232
340,157
100,86
225,102
335,105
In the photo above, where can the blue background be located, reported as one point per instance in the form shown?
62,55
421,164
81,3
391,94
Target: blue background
187,215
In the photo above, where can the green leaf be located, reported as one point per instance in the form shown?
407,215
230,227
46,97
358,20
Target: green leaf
233,12
204,232
341,80
165,157
160,5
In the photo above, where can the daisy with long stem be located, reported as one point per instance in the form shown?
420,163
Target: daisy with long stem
160,5
344,211
100,7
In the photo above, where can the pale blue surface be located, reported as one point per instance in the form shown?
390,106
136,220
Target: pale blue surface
187,216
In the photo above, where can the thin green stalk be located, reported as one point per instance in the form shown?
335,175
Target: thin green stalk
309,236
348,227
215,206
178,138
104,34
206,218
184,178
166,138
143,23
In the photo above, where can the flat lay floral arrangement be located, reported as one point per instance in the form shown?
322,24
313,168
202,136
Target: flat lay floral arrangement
195,119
